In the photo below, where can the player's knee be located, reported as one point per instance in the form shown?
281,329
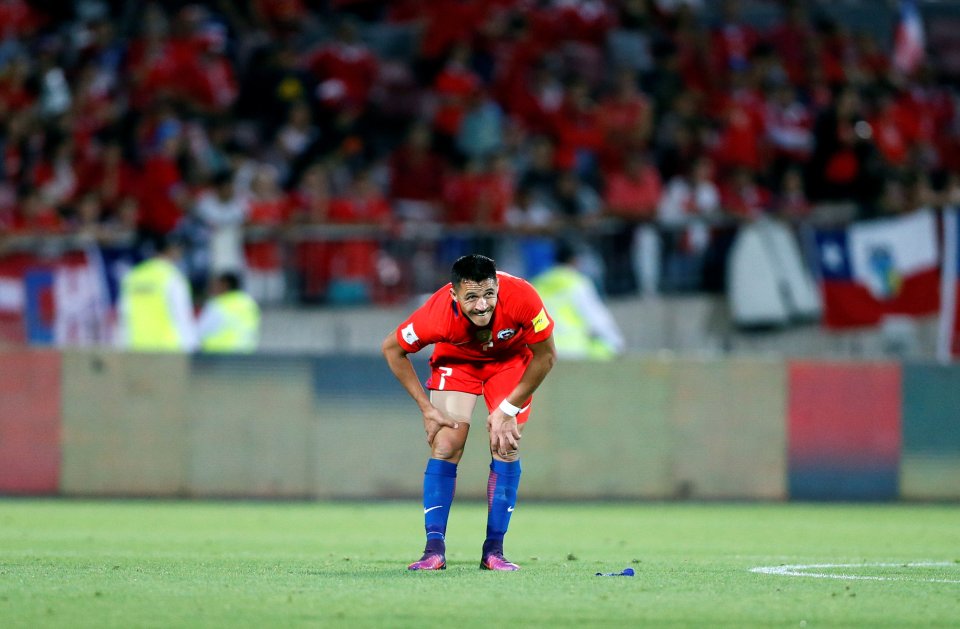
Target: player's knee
445,452
447,447
507,457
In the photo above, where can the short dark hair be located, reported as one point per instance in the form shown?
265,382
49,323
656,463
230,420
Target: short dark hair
565,252
231,280
473,267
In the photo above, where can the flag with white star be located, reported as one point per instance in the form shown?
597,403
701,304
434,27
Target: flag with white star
872,269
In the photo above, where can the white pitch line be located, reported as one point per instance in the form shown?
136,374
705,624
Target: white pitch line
800,571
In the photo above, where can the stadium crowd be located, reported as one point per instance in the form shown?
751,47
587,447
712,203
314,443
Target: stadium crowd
356,147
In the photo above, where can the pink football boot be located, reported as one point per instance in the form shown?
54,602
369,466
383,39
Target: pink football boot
495,561
429,561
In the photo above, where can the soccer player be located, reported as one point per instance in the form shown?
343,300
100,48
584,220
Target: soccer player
494,338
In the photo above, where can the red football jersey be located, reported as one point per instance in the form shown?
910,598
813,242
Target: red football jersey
519,319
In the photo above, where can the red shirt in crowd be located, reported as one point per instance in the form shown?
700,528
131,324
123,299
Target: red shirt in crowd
356,257
159,211
351,64
634,195
416,175
266,255
477,198
453,86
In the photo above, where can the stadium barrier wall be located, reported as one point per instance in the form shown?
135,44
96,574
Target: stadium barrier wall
29,421
338,426
844,430
930,463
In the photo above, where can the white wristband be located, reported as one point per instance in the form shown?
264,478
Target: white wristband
509,408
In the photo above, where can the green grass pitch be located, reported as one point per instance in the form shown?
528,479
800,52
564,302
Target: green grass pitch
67,563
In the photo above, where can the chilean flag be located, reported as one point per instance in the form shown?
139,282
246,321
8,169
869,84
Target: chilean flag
948,334
908,39
877,268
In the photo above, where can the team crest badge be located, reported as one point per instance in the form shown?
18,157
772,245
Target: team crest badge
506,333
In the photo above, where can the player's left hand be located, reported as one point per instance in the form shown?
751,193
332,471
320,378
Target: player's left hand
504,432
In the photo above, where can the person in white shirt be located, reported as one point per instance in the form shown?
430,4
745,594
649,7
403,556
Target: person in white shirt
224,213
688,205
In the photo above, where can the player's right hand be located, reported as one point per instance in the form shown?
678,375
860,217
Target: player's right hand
434,420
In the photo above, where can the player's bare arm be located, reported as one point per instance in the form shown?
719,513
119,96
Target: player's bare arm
504,432
399,362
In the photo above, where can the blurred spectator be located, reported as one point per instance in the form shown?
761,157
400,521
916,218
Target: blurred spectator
454,86
110,176
477,195
152,60
679,138
626,117
733,40
536,101
54,91
347,63
844,162
87,217
270,211
633,250
741,130
230,320
273,82
585,329
296,134
690,196
14,93
539,175
155,308
634,192
629,42
35,215
162,194
353,276
223,212
687,209
209,147
790,37
481,130
578,132
578,207
889,130
791,201
208,80
311,207
417,176
448,25
54,175
281,17
743,197
528,249
789,128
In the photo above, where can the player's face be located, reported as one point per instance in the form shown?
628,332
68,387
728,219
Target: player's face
477,300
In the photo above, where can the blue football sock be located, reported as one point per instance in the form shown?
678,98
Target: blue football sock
439,483
501,499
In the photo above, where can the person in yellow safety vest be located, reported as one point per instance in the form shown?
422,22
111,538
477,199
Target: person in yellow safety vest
584,327
230,320
155,307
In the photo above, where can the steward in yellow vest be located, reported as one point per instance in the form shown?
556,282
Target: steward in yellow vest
583,326
155,309
230,320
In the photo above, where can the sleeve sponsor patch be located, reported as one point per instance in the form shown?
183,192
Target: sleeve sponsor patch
540,322
409,335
